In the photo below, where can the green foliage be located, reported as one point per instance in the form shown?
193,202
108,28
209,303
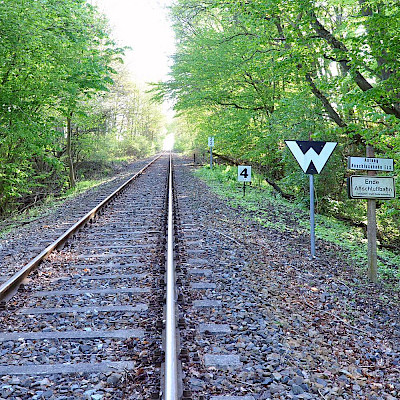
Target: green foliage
58,61
255,73
52,53
123,122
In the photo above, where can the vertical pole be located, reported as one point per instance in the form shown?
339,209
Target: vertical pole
211,160
371,229
244,189
194,158
312,216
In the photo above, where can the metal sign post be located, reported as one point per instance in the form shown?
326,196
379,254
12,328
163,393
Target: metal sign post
211,145
312,216
312,157
371,230
244,175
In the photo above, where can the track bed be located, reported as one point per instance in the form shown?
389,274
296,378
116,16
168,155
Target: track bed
257,319
84,325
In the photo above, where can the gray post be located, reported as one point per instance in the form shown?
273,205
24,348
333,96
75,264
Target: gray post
312,216
211,160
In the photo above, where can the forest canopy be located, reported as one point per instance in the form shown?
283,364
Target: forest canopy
64,99
254,73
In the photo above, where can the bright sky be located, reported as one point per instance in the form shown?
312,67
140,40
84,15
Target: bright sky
142,25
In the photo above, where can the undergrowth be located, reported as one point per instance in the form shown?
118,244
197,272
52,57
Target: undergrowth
47,206
261,201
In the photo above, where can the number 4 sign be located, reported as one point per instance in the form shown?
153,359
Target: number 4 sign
244,173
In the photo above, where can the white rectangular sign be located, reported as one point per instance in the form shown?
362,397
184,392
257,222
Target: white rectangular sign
244,173
211,141
370,163
371,187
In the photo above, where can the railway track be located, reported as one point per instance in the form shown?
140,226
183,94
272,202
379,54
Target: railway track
87,323
100,318
19,247
91,321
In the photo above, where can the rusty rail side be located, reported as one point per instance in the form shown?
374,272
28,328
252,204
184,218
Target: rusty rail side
10,286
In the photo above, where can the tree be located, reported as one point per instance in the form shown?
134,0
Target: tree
86,60
253,73
54,54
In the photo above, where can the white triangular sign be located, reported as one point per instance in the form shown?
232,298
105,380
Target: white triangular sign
311,156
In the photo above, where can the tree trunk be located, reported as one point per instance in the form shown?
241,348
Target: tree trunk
344,59
72,181
259,168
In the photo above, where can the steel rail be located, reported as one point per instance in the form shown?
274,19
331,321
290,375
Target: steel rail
9,287
171,362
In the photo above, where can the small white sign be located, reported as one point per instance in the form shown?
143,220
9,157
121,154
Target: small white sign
211,141
244,173
371,187
370,164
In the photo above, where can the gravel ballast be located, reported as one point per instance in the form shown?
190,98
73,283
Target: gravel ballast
286,327
257,318
27,240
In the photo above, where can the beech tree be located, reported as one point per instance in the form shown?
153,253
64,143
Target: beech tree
253,73
86,61
133,123
54,54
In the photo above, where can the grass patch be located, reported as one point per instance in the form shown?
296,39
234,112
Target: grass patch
82,186
46,206
263,205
